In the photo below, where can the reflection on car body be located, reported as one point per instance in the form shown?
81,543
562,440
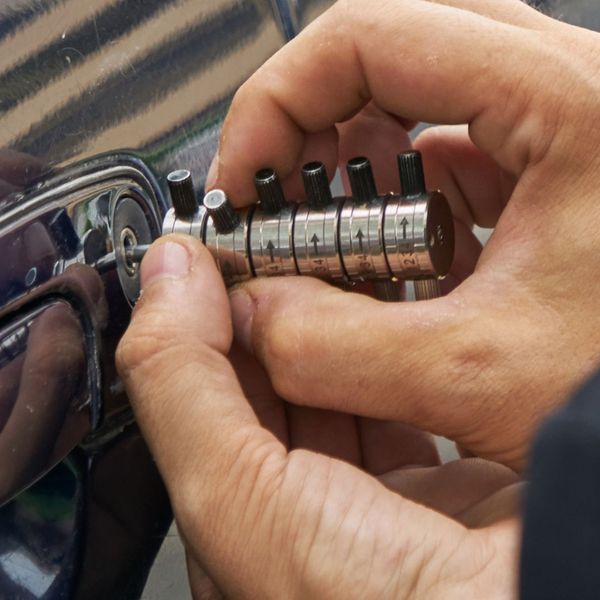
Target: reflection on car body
99,100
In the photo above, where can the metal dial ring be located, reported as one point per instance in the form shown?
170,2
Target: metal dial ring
230,250
361,240
316,242
271,243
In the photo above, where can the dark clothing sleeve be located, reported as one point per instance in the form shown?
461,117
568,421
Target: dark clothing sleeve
560,557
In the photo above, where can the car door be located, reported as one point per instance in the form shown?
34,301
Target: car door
99,100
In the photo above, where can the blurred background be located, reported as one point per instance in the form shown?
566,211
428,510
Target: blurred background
585,13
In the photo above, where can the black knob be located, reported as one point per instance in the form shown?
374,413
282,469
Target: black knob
412,177
224,216
361,179
316,185
182,192
269,190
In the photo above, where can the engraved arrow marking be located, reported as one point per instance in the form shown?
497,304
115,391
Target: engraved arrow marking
360,235
404,223
270,248
315,240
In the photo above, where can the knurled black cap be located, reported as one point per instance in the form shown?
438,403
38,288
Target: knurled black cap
182,192
224,216
269,190
362,183
316,185
412,177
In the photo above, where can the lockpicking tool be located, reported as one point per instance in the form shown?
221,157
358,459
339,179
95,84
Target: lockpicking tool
363,237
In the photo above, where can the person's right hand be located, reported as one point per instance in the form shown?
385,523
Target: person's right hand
278,502
486,363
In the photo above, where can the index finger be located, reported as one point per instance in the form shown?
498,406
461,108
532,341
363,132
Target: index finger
419,60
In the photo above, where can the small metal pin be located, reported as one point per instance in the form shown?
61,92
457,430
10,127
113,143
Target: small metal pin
105,263
224,216
182,192
136,253
133,255
316,185
412,177
269,190
362,183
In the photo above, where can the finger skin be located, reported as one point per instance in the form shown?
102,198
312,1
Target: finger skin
475,186
447,366
332,433
409,75
517,336
204,435
380,137
202,586
513,12
239,497
267,406
452,488
376,446
387,446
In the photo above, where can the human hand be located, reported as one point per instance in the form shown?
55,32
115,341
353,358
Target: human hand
486,363
260,506
37,389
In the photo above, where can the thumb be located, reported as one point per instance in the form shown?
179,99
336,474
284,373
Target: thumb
206,440
183,389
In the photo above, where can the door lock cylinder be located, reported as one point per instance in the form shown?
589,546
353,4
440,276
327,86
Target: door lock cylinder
363,237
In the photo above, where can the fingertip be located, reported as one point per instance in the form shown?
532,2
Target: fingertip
179,275
262,307
176,256
166,259
255,114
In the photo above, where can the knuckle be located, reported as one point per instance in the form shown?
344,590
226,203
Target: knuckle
133,350
281,349
250,472
149,335
432,139
247,93
428,137
296,331
280,341
470,365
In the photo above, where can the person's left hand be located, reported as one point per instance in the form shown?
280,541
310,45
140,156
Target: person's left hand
274,501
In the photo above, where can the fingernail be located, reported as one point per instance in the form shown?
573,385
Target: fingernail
242,315
168,260
213,172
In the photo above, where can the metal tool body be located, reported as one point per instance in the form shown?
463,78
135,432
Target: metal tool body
363,237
